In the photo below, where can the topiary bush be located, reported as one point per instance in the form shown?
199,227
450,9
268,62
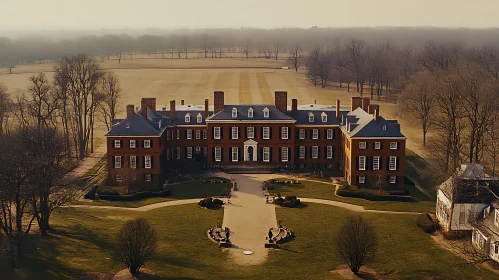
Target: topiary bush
288,201
210,202
426,224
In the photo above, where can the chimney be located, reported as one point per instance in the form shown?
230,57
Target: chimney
172,110
337,109
219,101
147,103
294,108
206,112
281,101
376,114
356,103
365,103
130,110
315,101
373,107
182,102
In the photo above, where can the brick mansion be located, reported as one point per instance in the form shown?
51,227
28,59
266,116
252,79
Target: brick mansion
354,139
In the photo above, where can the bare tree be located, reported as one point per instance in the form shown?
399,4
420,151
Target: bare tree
437,57
5,108
356,242
276,50
119,57
43,101
295,58
319,65
356,58
111,92
136,243
492,144
419,100
246,49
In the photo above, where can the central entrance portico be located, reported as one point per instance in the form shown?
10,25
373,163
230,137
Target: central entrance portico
250,150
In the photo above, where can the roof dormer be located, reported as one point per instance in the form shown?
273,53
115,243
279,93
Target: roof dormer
266,112
310,117
324,117
187,118
250,113
199,118
234,112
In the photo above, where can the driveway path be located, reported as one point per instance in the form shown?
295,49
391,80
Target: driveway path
142,208
88,162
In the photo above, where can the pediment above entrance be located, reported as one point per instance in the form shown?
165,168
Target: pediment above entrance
250,142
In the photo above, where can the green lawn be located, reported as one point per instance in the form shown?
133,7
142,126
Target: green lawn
326,191
417,169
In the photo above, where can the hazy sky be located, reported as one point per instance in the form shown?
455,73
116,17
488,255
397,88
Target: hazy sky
89,14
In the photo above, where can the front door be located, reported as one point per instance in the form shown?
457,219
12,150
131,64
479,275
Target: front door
250,153
250,147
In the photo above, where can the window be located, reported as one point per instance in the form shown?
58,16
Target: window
205,134
187,118
266,154
462,218
178,152
167,153
393,145
189,133
284,132
302,151
235,154
376,163
133,144
266,133
362,163
117,143
392,179
118,178
329,152
218,154
133,162
198,149
377,145
362,179
147,161
178,134
167,135
189,152
315,134
496,249
324,117
302,134
393,163
234,113
315,152
266,112
250,132
310,117
198,134
235,133
205,151
384,127
200,118
250,112
284,154
329,134
148,177
117,162
147,143
362,145
216,133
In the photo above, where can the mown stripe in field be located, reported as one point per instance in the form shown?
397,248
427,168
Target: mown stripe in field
265,96
245,95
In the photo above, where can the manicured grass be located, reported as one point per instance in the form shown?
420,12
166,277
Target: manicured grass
405,251
417,169
326,191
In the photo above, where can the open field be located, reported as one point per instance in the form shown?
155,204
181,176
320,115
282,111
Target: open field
83,240
245,81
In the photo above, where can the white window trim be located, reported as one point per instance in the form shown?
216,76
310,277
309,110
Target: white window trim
362,179
377,145
198,134
189,133
284,132
133,144
188,118
329,133
302,152
147,144
393,145
392,179
376,163
329,152
218,154
189,152
315,134
250,132
266,113
284,154
234,113
310,117
362,145
266,154
324,117
199,118
235,154
392,163
216,133
362,163
178,133
117,143
133,162
266,133
250,113
315,152
117,161
301,134
205,134
235,132
147,162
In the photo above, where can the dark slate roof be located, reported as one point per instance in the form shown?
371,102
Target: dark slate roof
180,117
136,125
317,110
359,123
242,113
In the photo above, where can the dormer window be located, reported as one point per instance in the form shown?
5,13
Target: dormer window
384,127
266,112
127,125
250,112
234,113
200,118
310,117
324,117
188,118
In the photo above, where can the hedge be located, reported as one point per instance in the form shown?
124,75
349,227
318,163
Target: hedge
91,193
288,201
210,202
374,197
426,224
135,196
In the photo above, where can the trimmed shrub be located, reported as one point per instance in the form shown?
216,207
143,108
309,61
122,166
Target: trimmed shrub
369,195
107,192
135,196
426,224
288,201
210,202
91,193
399,192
